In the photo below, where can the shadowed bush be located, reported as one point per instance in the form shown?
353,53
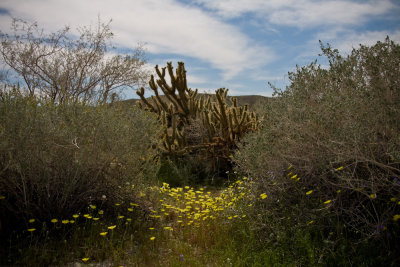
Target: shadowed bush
55,159
334,133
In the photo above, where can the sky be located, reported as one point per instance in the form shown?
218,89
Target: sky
236,44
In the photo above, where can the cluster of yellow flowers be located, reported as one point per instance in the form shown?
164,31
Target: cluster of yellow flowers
186,206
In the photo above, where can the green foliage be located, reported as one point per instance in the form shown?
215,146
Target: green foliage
58,158
336,132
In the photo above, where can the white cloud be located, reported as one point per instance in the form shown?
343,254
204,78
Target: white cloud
342,39
302,13
369,38
345,39
265,75
236,8
196,79
165,25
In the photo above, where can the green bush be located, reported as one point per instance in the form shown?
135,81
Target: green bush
336,132
55,159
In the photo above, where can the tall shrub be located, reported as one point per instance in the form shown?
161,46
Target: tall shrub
55,159
335,134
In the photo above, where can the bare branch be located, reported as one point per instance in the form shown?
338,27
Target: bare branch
61,67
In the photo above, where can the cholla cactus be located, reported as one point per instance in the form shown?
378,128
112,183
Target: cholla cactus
180,108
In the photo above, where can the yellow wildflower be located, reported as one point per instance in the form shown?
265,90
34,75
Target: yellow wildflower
65,221
152,238
54,220
372,196
327,202
339,169
111,227
309,192
85,259
103,233
396,217
31,220
75,216
31,229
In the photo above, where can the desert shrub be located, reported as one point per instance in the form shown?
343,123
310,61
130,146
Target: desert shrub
58,158
334,134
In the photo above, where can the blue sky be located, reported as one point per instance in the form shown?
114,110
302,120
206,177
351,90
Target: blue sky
236,44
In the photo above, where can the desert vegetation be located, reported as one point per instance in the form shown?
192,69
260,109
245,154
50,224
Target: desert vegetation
328,155
309,177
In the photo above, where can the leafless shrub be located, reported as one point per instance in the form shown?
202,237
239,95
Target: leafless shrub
61,67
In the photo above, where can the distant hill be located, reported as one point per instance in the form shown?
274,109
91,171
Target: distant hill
249,100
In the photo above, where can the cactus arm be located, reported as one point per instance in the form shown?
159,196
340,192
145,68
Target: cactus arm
144,100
